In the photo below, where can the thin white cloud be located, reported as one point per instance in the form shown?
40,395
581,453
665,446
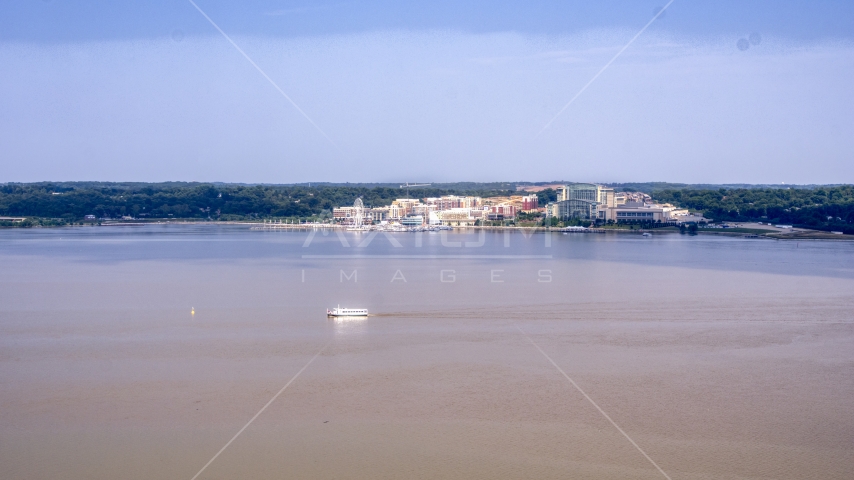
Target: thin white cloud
288,11
301,9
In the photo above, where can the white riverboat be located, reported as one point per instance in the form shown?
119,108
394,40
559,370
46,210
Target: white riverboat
347,312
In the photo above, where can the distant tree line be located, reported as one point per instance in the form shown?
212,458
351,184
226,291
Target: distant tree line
651,187
73,201
546,196
822,208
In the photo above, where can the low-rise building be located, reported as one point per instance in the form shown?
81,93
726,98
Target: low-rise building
671,212
402,207
636,212
423,209
351,215
378,214
340,213
456,217
501,212
689,218
433,218
448,202
412,221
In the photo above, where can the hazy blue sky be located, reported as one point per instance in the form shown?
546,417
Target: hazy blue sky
427,91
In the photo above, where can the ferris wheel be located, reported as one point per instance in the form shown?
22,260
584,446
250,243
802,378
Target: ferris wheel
359,212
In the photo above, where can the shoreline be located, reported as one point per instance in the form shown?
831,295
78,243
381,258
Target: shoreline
759,233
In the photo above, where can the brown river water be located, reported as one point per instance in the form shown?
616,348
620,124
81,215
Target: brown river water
716,357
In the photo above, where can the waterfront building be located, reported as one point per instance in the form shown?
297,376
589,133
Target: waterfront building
581,201
585,201
433,218
501,212
448,202
577,209
412,221
479,213
355,215
671,212
578,201
396,212
422,209
530,203
340,213
606,196
456,217
402,207
378,214
689,218
633,213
